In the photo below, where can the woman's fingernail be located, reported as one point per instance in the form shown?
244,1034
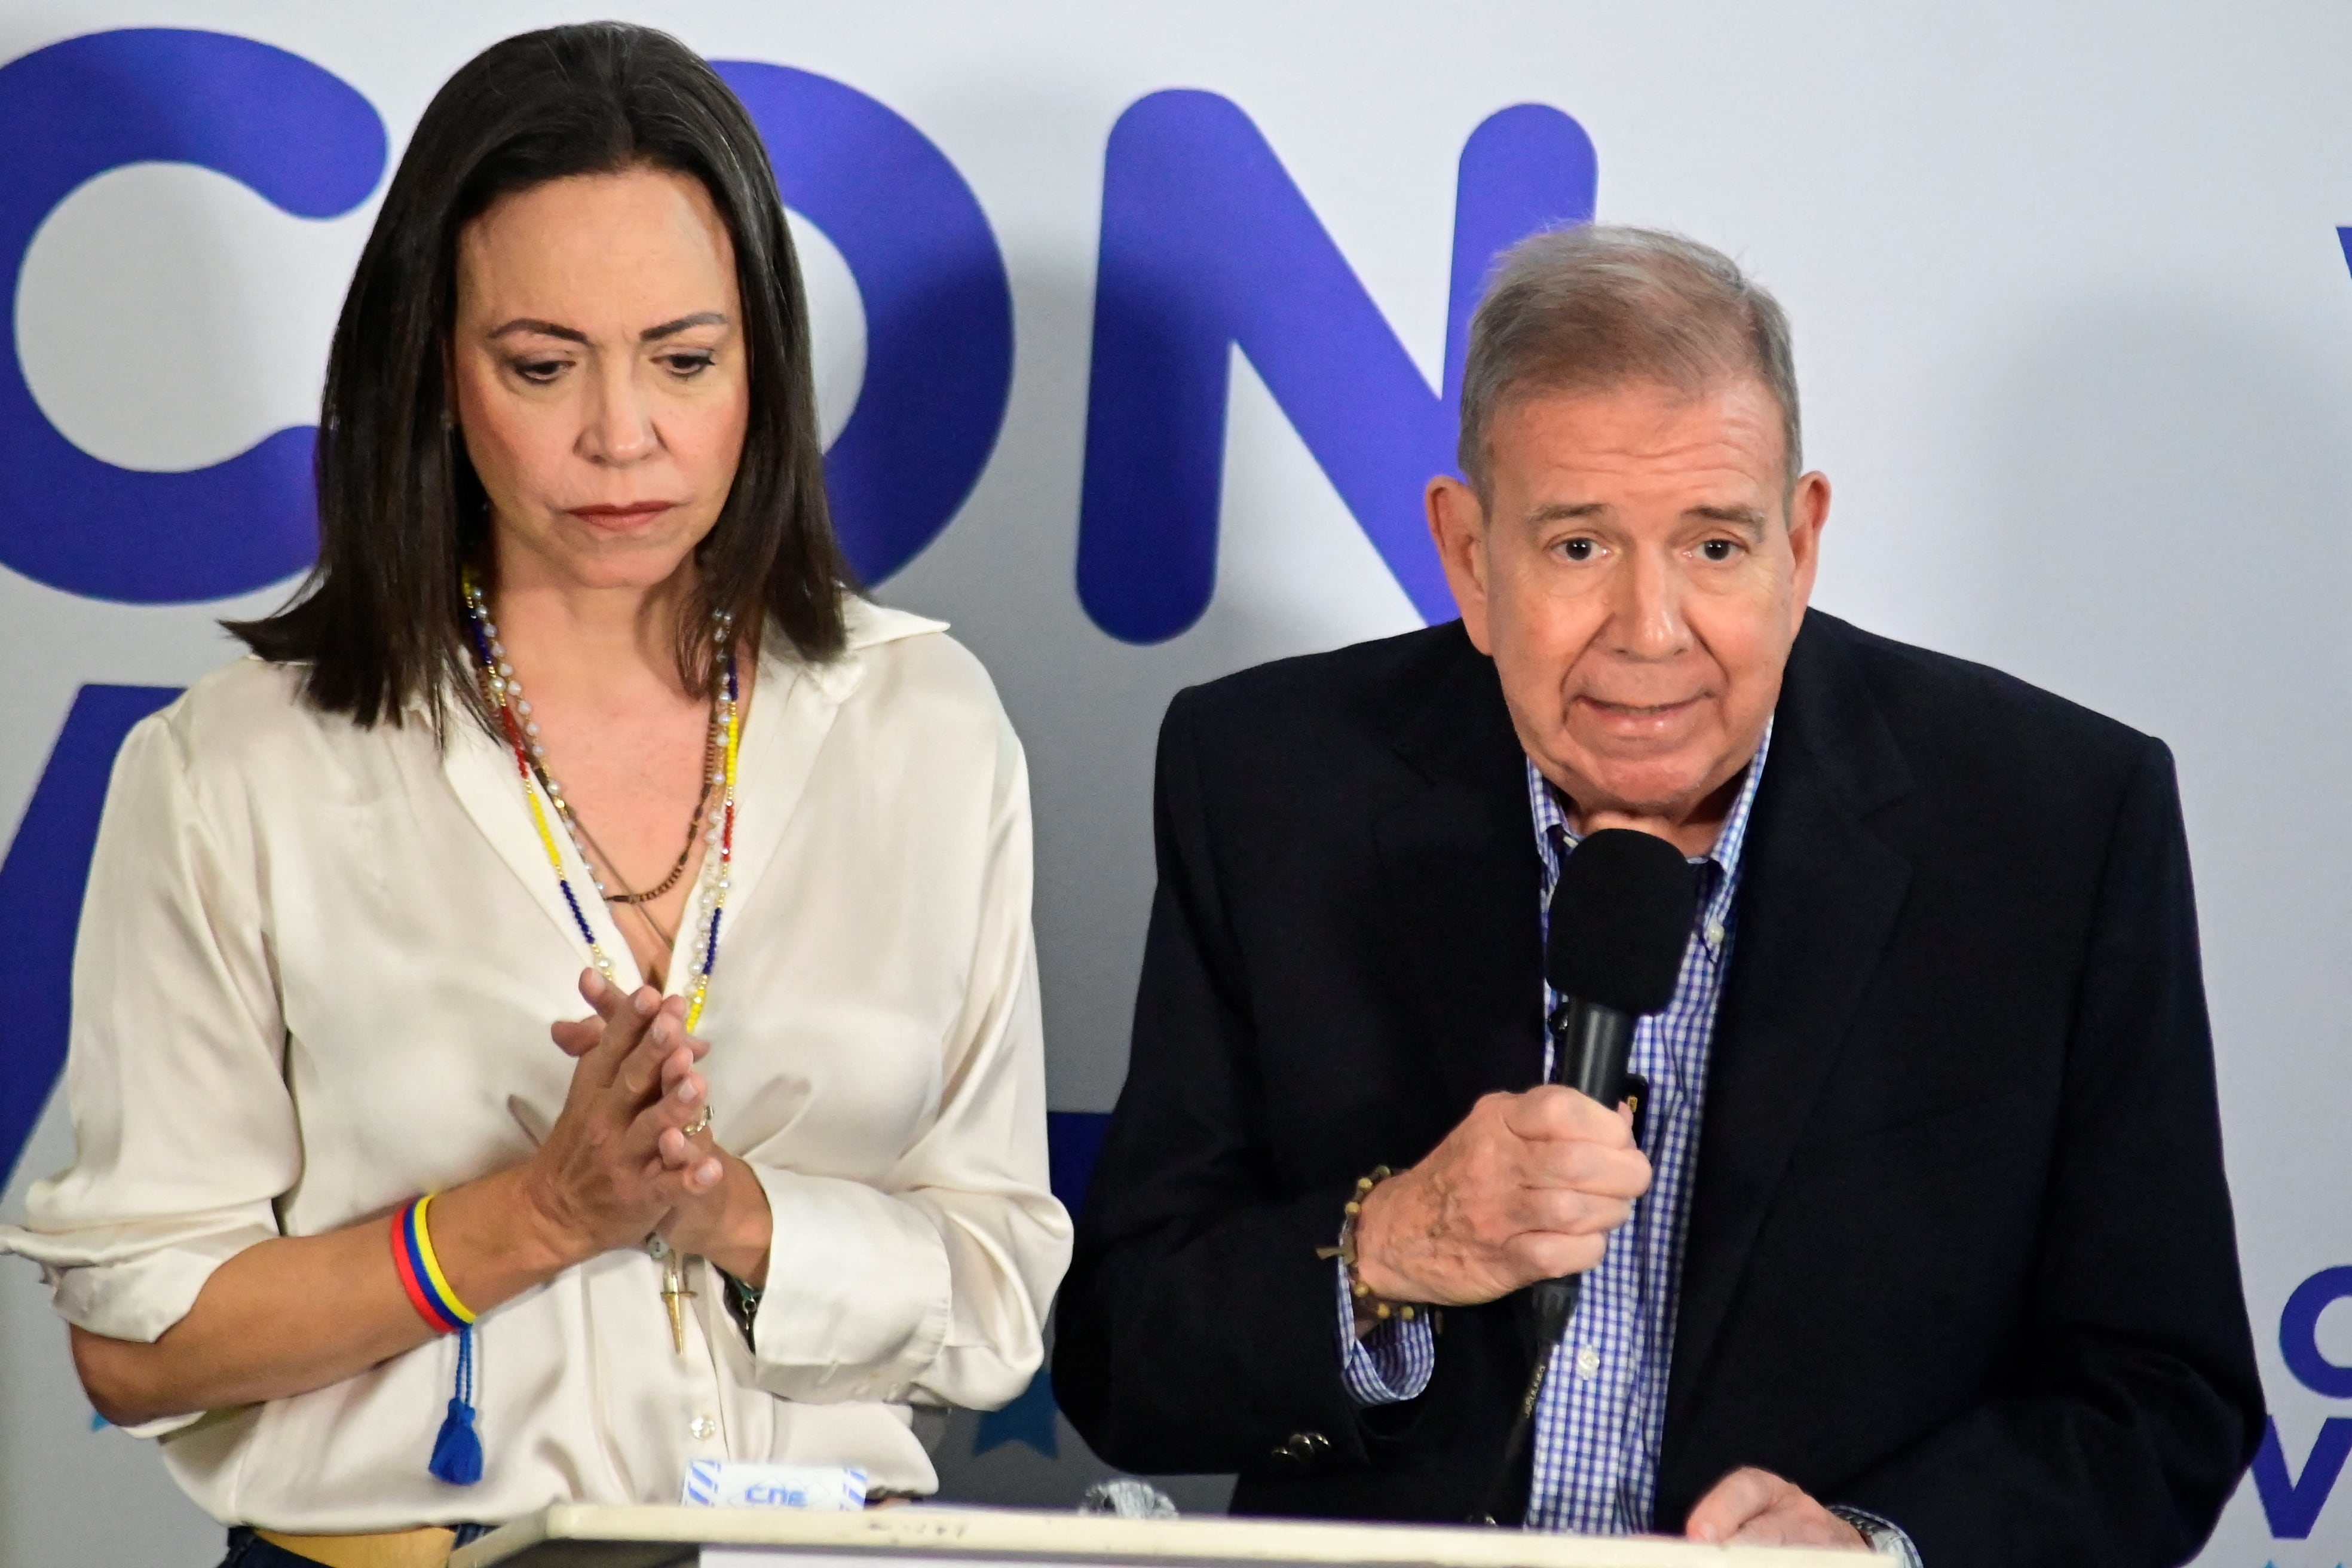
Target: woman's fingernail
647,1001
688,1091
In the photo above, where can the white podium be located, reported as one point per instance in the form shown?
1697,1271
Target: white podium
921,1536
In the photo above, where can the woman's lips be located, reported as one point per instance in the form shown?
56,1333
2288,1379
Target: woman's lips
623,508
622,516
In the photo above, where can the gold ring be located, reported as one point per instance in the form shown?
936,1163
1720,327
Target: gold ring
700,1125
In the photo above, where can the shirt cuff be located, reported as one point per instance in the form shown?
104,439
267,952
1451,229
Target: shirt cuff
1391,1363
857,1304
1885,1537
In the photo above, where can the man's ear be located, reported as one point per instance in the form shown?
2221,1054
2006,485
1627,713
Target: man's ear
1457,525
1808,513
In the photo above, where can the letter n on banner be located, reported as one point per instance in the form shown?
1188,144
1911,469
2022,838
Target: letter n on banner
1207,245
41,885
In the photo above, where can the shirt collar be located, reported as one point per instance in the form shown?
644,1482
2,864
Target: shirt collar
1551,814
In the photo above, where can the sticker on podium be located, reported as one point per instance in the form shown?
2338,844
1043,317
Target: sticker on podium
714,1483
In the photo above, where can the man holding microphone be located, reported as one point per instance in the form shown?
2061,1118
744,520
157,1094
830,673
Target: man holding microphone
1919,1237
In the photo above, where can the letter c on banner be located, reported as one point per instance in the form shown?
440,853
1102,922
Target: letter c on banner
2299,1334
939,309
303,140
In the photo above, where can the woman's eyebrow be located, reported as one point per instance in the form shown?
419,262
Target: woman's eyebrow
538,329
668,329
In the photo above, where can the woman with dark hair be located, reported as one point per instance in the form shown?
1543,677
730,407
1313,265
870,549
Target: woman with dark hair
576,696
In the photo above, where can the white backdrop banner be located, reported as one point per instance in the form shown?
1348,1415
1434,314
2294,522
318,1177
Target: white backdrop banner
1138,330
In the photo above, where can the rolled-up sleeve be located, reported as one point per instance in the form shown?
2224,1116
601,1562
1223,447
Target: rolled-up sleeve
931,1285
184,1130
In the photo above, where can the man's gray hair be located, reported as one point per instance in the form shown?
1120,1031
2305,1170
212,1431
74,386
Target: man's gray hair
1598,306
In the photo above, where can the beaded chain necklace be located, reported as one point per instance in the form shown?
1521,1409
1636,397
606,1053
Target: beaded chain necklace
504,693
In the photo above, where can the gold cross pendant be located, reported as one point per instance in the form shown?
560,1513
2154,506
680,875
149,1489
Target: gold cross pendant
675,1296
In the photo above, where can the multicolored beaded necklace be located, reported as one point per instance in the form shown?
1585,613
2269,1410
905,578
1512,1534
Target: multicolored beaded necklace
504,693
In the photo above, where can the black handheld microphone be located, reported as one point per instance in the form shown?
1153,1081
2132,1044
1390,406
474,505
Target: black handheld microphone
1620,915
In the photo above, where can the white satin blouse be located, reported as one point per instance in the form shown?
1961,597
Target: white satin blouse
315,970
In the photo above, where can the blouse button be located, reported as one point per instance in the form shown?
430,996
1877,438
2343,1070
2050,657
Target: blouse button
704,1428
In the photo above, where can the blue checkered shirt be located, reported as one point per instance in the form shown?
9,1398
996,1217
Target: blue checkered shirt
1605,1400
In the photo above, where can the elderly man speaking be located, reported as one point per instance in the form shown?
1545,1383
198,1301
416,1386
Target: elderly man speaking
1919,1239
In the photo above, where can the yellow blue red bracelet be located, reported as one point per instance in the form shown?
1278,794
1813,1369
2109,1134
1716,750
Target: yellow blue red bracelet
420,1271
457,1451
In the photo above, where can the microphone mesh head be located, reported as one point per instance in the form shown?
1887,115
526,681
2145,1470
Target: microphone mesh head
1621,914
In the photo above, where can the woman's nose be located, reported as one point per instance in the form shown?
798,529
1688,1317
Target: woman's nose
620,427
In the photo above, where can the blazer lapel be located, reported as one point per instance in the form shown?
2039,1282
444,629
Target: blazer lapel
1820,893
1462,881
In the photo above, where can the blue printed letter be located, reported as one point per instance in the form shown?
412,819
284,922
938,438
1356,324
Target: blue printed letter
938,309
297,135
2299,1334
2291,1503
41,887
1207,244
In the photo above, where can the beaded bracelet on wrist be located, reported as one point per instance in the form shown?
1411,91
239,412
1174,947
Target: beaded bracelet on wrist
1378,1308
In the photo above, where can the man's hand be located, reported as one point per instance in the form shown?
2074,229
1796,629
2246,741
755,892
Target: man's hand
1756,1508
1527,1188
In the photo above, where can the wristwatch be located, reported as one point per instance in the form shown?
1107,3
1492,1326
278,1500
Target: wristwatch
1880,1535
742,1304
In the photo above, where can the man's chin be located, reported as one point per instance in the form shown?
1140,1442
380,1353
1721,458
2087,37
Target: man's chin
1652,782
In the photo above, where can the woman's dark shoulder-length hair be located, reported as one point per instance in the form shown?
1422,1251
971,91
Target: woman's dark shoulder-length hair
380,621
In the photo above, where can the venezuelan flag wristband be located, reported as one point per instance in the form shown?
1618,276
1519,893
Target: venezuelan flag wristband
420,1271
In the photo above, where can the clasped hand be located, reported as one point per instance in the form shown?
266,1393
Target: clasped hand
619,1166
1527,1188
